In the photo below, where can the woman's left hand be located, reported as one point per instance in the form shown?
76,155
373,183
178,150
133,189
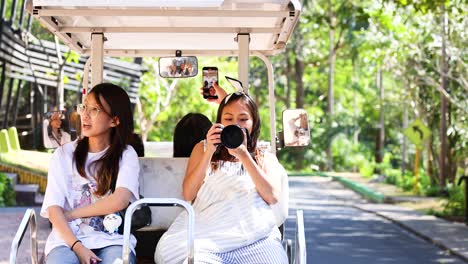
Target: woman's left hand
240,151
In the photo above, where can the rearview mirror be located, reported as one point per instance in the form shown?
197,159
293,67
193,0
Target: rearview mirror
178,67
56,129
296,128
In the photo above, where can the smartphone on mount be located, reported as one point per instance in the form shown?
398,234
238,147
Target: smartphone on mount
210,76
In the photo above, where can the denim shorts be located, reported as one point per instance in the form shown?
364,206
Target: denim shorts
64,255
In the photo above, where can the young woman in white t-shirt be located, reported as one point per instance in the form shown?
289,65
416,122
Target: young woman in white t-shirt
81,173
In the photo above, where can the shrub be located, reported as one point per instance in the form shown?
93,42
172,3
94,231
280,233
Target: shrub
406,182
456,200
392,175
367,168
431,190
7,193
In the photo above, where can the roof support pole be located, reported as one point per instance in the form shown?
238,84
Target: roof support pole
243,40
97,61
271,99
61,73
85,90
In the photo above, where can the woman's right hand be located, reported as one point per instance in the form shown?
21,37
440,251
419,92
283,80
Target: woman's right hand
220,92
85,255
213,137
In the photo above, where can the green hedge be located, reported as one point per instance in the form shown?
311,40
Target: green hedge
7,192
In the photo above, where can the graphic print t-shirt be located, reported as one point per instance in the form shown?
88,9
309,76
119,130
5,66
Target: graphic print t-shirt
83,195
67,189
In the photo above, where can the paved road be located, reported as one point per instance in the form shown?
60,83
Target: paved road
337,232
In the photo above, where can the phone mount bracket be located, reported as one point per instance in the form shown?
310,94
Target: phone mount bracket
236,39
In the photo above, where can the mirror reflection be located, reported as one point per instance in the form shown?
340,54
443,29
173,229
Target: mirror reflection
178,67
55,129
296,128
75,124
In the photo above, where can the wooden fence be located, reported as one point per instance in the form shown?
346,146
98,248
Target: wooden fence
29,70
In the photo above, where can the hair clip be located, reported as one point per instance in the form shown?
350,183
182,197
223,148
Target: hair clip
227,98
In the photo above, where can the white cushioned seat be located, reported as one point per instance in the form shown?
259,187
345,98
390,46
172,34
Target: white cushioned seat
162,178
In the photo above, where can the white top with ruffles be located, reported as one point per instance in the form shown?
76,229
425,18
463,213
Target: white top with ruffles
229,214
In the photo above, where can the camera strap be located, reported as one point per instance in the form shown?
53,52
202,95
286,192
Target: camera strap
247,134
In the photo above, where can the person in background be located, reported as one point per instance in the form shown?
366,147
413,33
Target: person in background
56,136
81,178
138,145
192,128
75,124
234,193
189,131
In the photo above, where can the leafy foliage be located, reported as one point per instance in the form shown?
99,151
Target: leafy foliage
400,38
7,193
184,99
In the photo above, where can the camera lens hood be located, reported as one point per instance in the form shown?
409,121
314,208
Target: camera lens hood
232,136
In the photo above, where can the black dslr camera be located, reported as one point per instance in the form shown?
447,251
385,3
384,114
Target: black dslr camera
232,136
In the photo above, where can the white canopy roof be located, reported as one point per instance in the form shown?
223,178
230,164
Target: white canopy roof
160,27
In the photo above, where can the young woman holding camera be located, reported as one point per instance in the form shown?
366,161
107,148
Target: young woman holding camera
233,191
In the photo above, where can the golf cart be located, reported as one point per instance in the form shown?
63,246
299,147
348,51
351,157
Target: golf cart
179,30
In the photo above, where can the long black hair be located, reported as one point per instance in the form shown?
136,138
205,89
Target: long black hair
221,152
121,135
190,130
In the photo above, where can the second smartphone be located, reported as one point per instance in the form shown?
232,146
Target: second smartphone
210,76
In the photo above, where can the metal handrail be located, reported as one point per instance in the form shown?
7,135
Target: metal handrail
159,202
29,218
300,250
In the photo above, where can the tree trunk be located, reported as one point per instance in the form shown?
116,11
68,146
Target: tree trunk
451,165
331,72
381,135
404,144
443,118
430,166
61,73
289,83
355,110
299,72
435,164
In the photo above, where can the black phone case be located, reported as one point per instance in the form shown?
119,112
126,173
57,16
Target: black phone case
206,90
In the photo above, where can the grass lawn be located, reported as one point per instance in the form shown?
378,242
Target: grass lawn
32,160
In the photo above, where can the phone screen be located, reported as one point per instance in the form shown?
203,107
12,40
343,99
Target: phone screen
210,75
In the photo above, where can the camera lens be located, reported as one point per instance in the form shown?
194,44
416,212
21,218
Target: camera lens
232,136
